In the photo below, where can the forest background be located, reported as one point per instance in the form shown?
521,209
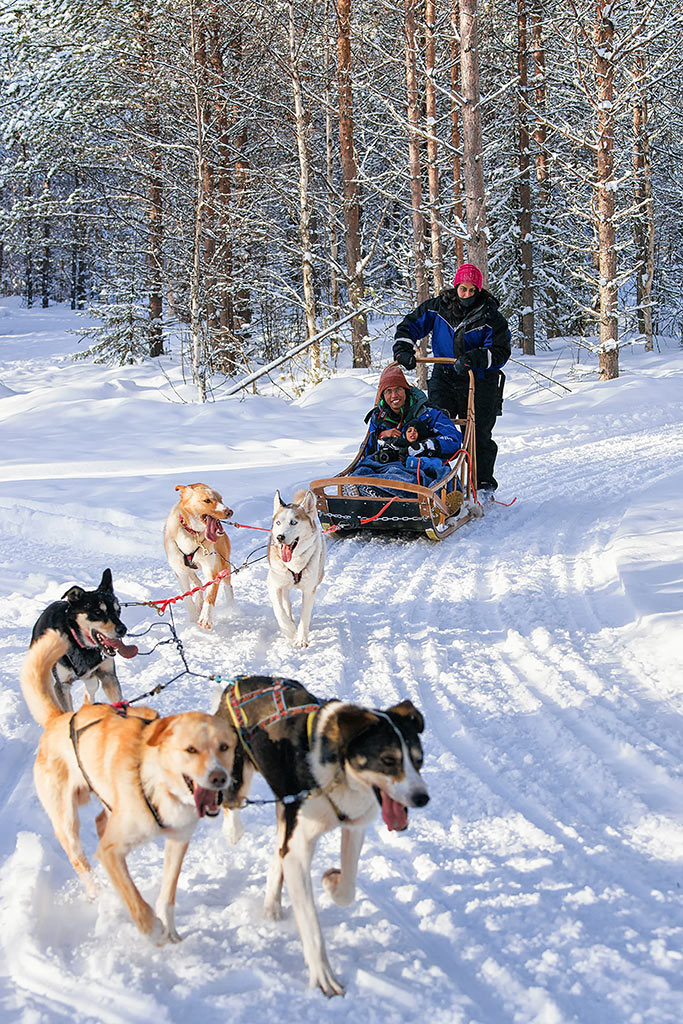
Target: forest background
226,178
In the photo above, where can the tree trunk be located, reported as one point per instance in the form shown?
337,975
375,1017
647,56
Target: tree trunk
432,149
154,189
301,129
196,333
473,162
643,221
456,138
605,205
45,265
354,266
543,178
414,162
526,317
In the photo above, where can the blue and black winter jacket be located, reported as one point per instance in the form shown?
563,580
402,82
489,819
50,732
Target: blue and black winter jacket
437,425
456,330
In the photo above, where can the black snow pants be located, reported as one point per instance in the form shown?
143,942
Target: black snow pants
449,391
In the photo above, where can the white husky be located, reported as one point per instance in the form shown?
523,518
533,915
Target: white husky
296,558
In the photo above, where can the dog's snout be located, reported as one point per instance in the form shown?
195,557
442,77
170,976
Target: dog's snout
218,778
121,630
280,538
420,798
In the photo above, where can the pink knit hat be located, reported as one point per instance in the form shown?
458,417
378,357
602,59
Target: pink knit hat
469,274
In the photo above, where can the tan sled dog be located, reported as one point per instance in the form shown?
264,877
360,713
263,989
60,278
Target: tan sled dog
296,558
156,777
195,542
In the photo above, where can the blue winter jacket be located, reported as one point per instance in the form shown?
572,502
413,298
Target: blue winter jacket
440,428
456,330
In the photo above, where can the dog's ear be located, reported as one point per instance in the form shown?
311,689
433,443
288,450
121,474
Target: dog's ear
348,723
309,504
73,595
406,709
180,487
106,583
278,503
158,730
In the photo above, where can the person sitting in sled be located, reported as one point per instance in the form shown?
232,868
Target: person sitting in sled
465,325
388,452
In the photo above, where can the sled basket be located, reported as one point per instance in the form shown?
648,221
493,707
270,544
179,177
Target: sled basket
349,503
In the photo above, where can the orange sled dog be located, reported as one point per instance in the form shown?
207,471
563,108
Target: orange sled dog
155,777
195,543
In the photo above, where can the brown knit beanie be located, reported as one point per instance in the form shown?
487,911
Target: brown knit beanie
392,377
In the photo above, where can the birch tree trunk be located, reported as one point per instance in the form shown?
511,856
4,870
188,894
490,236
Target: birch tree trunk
354,265
526,316
473,157
643,221
304,201
603,38
432,148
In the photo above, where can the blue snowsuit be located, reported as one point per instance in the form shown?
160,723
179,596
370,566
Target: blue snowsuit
441,430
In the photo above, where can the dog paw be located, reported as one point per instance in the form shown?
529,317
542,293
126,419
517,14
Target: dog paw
333,886
300,640
321,977
273,910
205,625
159,933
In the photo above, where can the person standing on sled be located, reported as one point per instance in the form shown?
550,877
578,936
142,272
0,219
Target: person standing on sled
465,325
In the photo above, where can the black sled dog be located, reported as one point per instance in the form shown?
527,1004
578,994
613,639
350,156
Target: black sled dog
90,623
330,765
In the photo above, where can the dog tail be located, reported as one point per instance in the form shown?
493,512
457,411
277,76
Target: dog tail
36,678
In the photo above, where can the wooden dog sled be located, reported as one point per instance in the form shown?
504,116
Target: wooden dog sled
344,503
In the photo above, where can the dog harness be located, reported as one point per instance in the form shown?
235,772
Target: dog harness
75,735
244,713
188,559
244,710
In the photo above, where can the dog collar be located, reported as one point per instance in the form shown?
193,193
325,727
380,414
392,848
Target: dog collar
76,637
195,533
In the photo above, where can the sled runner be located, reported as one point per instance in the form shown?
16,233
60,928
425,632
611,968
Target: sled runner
347,502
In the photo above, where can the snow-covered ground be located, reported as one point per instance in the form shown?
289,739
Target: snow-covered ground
542,883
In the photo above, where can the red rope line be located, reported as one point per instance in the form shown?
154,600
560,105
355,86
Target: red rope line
371,519
245,526
162,604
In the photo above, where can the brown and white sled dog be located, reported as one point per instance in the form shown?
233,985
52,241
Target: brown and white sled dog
330,765
296,559
156,777
196,543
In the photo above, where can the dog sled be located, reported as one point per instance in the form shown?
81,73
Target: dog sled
352,503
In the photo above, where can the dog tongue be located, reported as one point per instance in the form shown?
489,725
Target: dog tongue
286,552
206,801
213,528
395,814
125,650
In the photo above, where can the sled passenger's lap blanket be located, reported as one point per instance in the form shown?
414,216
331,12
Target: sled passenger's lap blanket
426,472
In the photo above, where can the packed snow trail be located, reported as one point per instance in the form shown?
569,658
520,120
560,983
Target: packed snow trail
542,883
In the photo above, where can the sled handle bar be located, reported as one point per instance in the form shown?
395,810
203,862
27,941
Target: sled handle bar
434,359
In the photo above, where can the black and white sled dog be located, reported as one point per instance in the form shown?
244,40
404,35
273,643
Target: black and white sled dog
330,765
89,621
296,559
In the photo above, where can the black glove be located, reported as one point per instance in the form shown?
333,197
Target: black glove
430,447
404,353
475,359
